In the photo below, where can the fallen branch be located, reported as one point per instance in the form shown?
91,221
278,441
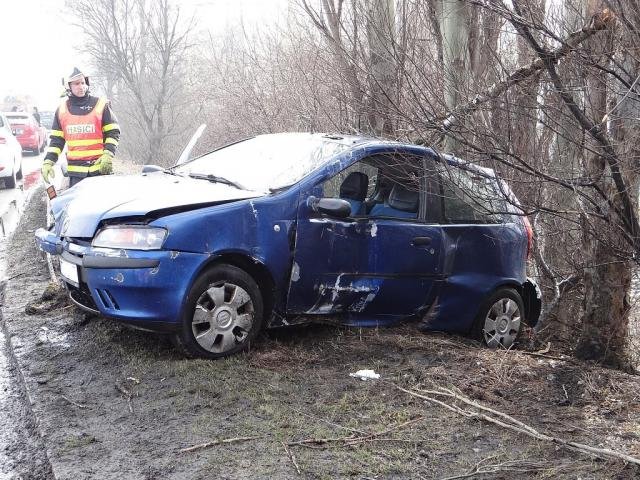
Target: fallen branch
507,421
217,442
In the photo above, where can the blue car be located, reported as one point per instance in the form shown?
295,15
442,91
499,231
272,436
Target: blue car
288,228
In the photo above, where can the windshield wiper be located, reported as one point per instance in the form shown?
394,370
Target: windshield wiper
170,171
215,179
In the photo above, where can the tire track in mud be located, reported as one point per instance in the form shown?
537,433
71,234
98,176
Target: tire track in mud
22,450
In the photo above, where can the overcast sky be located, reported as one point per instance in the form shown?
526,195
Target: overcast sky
40,47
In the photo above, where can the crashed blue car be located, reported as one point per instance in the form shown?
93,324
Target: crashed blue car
294,227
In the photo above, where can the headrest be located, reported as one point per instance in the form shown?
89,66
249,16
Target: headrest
402,199
354,186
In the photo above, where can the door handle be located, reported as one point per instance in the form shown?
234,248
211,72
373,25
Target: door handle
421,241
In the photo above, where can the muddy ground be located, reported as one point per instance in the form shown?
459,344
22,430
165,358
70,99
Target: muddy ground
112,402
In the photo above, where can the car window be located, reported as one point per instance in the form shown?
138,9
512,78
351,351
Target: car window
470,197
331,188
384,186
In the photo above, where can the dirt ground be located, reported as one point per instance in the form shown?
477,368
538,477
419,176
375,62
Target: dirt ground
112,402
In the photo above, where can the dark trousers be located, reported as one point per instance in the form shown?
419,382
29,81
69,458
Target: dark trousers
75,180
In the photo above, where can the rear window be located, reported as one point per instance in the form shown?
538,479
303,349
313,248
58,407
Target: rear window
470,197
18,119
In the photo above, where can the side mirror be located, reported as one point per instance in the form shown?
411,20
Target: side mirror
151,168
334,207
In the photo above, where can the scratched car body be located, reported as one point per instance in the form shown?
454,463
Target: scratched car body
286,228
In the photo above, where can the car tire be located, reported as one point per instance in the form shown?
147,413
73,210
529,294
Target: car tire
223,314
500,319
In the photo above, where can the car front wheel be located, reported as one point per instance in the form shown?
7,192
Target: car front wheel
222,314
500,319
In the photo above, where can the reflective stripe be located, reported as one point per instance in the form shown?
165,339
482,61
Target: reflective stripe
111,126
83,143
111,140
79,169
55,150
83,153
57,133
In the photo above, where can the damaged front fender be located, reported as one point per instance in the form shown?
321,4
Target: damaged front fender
48,242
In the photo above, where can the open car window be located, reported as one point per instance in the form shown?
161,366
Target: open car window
384,186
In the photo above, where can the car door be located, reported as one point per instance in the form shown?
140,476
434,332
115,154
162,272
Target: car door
371,263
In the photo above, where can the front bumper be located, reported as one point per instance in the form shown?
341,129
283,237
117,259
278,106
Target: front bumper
144,288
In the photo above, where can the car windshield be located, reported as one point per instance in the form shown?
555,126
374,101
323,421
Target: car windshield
18,119
266,162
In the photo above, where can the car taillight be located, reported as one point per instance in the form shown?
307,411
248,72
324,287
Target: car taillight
527,227
3,140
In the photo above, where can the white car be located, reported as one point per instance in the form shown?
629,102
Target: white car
10,154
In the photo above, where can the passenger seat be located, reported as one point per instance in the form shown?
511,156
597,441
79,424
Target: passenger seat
402,203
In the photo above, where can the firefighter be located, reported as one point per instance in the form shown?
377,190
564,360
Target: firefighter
88,127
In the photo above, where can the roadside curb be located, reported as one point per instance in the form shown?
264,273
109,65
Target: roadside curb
8,217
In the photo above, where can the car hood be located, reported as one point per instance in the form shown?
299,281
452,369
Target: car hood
79,210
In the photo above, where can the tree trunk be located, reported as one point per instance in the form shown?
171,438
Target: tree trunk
455,42
605,321
381,36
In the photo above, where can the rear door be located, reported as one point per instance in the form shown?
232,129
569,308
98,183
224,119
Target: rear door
368,264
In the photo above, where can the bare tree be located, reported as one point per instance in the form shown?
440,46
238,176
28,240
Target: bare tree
141,46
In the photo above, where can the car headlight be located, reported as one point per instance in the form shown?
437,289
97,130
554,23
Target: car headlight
130,237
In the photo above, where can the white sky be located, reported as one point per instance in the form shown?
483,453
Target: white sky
39,46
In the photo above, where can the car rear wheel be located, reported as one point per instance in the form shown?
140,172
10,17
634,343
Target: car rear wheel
10,182
500,319
222,314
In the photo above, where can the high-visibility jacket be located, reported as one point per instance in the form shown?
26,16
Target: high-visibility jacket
84,137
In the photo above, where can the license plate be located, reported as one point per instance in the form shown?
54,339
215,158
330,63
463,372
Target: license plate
69,271
18,131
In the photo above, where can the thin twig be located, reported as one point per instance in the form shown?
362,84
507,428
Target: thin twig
329,423
481,468
292,457
379,434
79,405
127,395
217,442
353,440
